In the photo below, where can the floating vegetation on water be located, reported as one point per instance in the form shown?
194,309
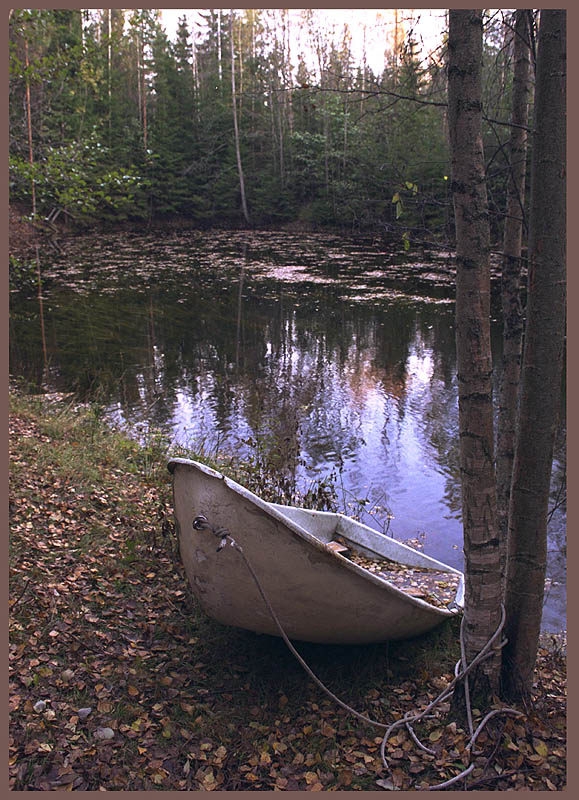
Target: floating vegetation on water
293,274
392,294
142,262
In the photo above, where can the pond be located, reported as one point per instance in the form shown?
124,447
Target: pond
336,355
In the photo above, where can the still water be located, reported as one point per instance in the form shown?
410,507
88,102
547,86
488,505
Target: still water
338,354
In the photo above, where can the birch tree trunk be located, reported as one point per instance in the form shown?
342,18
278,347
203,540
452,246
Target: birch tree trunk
235,124
511,277
541,376
474,360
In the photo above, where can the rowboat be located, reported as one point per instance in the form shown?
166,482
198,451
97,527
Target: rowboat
328,578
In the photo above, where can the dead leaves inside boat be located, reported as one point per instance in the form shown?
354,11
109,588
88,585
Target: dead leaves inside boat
433,586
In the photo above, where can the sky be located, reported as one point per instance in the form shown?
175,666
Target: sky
427,25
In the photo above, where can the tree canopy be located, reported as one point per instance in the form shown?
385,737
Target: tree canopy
122,124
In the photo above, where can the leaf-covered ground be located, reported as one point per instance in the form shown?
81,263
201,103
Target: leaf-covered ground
118,681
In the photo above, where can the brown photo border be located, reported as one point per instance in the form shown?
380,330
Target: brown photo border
572,18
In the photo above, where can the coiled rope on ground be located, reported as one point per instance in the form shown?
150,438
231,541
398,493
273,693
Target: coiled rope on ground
462,670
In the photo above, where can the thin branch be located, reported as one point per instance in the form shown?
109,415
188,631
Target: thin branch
366,94
507,124
21,595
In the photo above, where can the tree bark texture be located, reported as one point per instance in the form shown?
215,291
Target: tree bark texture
511,277
474,360
542,362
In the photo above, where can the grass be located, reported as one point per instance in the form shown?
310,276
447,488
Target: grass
97,589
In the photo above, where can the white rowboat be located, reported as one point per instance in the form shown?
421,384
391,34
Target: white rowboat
300,558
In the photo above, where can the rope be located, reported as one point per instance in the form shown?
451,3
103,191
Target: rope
466,686
226,536
201,523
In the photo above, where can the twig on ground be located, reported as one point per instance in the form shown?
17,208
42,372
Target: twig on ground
21,595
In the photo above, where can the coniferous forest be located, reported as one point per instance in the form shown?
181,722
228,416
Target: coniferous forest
230,124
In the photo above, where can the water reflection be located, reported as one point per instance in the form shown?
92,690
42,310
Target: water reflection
343,355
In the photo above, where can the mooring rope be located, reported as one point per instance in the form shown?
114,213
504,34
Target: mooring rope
201,523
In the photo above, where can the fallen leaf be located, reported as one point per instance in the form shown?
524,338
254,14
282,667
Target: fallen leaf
540,747
386,784
327,730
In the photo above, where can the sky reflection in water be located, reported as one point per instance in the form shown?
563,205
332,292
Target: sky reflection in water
344,349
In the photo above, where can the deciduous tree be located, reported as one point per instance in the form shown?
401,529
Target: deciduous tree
511,277
474,360
541,376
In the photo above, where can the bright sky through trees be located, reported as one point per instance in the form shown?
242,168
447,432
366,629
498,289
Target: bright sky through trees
425,23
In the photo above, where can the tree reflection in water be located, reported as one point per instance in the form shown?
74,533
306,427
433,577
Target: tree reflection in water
317,355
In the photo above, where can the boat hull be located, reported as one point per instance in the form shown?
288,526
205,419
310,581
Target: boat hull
317,594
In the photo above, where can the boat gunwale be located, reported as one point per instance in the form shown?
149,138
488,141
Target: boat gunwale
272,510
337,514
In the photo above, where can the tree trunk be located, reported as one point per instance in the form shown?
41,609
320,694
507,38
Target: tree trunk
273,137
396,48
240,49
41,311
139,99
235,125
474,360
288,79
219,60
281,148
29,125
344,156
325,121
144,95
542,363
511,278
195,74
109,73
364,68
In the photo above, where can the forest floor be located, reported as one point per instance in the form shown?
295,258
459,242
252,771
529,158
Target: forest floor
118,681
